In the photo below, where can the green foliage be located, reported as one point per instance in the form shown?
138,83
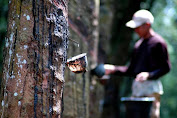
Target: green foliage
3,27
3,15
165,13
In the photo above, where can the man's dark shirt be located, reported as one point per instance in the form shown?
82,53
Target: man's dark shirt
149,55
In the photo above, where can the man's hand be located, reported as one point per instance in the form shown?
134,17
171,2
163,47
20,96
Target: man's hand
143,76
99,70
109,69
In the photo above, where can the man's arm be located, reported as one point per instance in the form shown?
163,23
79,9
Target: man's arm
162,59
107,69
113,69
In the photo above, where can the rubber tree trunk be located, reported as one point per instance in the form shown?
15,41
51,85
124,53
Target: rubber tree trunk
81,95
34,59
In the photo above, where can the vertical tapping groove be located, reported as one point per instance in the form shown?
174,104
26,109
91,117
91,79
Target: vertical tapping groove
50,63
38,22
62,103
42,40
34,15
83,94
36,71
36,52
34,36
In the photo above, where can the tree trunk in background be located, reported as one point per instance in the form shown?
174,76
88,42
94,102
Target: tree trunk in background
82,92
34,59
96,89
120,45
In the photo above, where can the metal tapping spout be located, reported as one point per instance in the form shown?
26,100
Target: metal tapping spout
74,42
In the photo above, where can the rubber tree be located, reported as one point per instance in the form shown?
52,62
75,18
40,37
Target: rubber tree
82,92
34,59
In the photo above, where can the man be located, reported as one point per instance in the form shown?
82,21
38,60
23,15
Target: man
149,62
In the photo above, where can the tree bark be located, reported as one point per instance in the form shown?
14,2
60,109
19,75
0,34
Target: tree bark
81,95
34,59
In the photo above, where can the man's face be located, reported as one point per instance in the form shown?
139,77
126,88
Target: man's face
142,30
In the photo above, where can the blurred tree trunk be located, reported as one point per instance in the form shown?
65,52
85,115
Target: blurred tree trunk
34,59
82,92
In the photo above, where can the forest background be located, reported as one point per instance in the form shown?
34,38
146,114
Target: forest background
165,13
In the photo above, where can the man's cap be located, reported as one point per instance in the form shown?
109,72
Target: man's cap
140,17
